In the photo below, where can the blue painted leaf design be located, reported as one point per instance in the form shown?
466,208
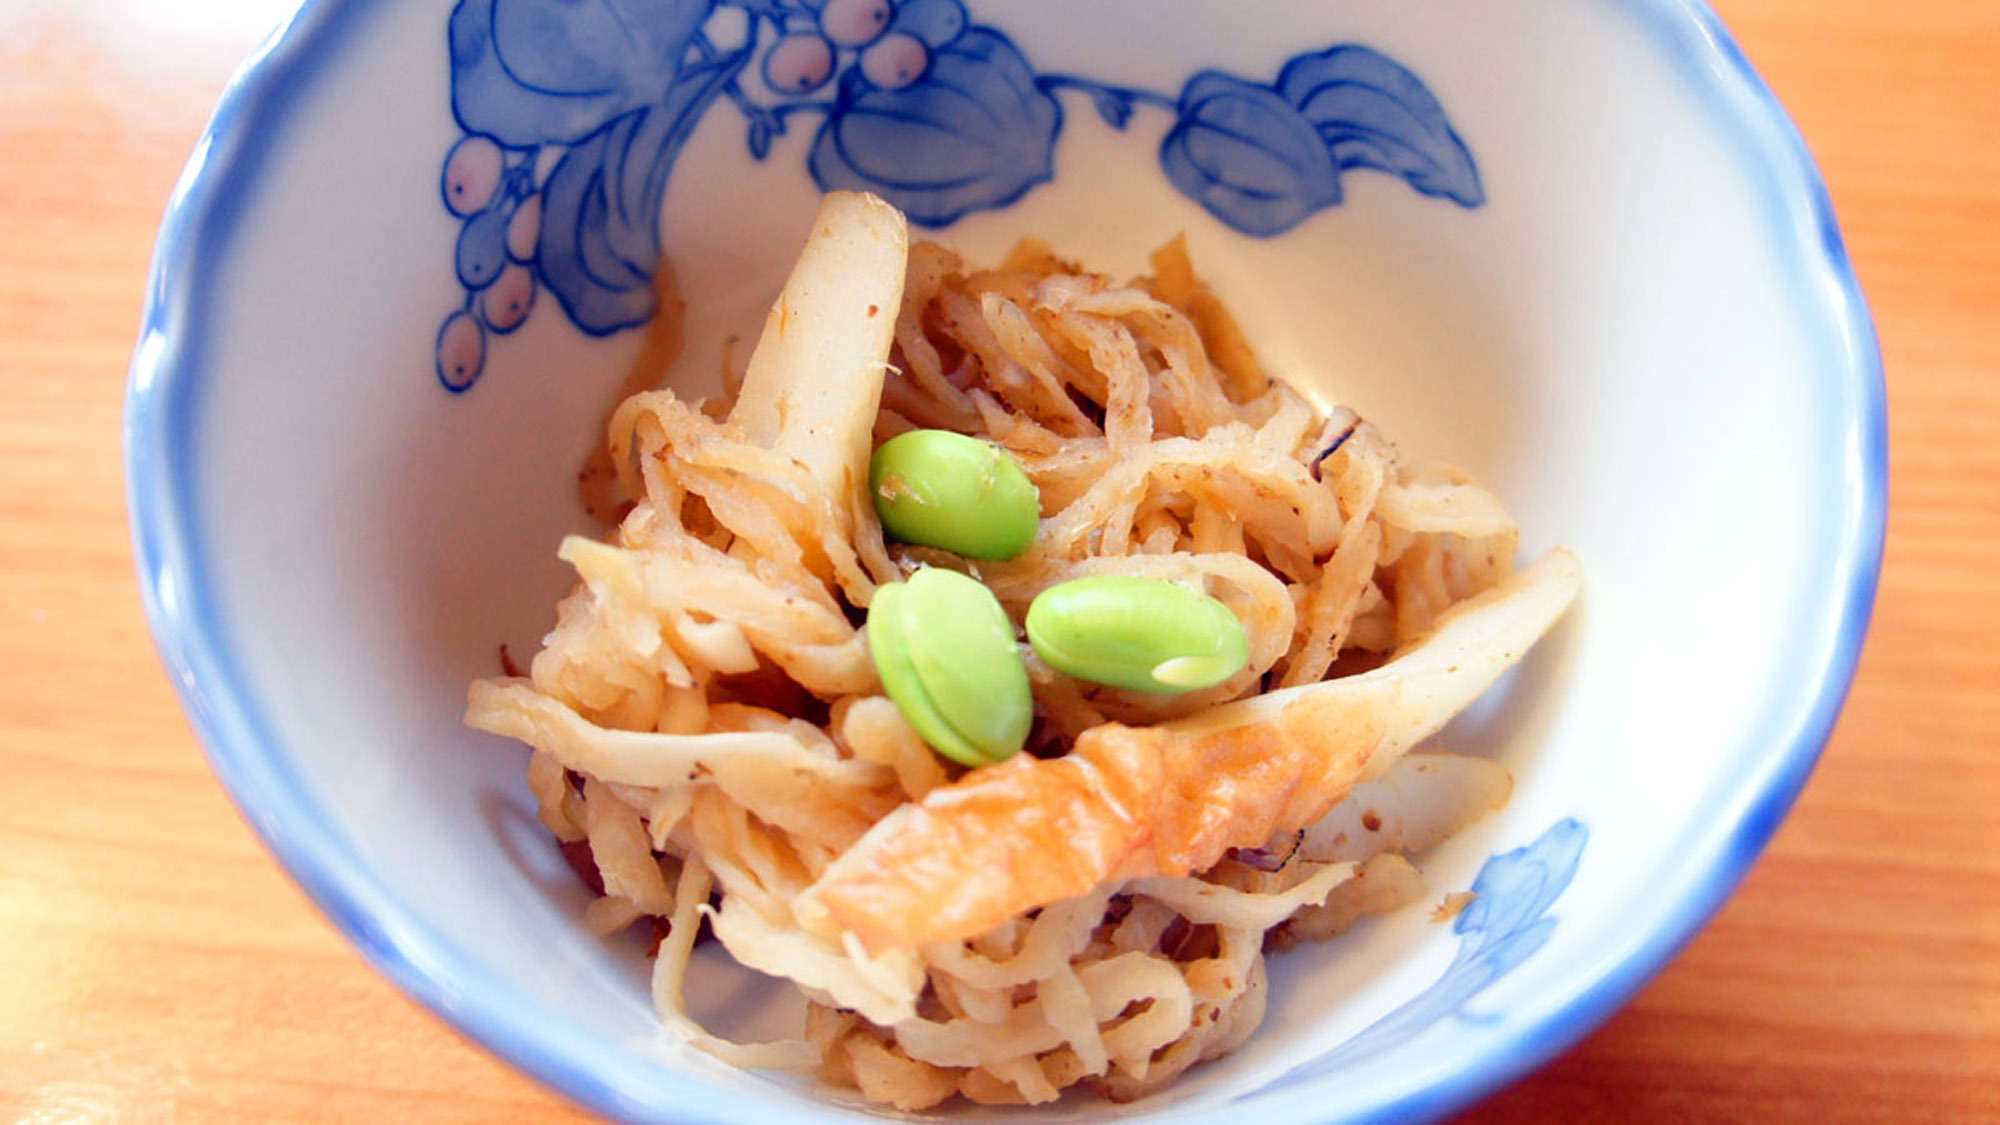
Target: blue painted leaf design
1500,950
600,226
1248,155
976,132
532,72
1506,923
1373,113
1515,888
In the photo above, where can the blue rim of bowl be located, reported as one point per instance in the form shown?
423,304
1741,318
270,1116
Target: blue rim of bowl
163,396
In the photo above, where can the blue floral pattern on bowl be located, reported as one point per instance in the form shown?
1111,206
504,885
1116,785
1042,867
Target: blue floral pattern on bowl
573,112
1504,924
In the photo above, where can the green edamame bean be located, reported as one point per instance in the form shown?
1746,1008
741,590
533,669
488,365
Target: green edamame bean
936,488
948,660
1137,633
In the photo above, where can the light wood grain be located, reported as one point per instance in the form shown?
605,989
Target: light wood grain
155,965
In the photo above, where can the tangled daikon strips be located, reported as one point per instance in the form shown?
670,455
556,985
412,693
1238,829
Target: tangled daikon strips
712,740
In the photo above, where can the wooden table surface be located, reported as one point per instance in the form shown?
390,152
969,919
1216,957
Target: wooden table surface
156,965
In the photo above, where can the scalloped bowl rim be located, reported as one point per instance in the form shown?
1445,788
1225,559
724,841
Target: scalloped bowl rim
167,375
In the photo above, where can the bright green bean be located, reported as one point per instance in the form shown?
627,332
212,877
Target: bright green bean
948,660
936,488
1137,633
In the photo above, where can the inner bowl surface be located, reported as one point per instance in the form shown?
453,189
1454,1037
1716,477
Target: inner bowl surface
1645,337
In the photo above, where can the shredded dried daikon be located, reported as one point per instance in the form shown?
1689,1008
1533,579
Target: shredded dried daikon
706,716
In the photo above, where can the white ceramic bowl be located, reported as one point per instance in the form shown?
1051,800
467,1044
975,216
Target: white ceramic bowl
1573,246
